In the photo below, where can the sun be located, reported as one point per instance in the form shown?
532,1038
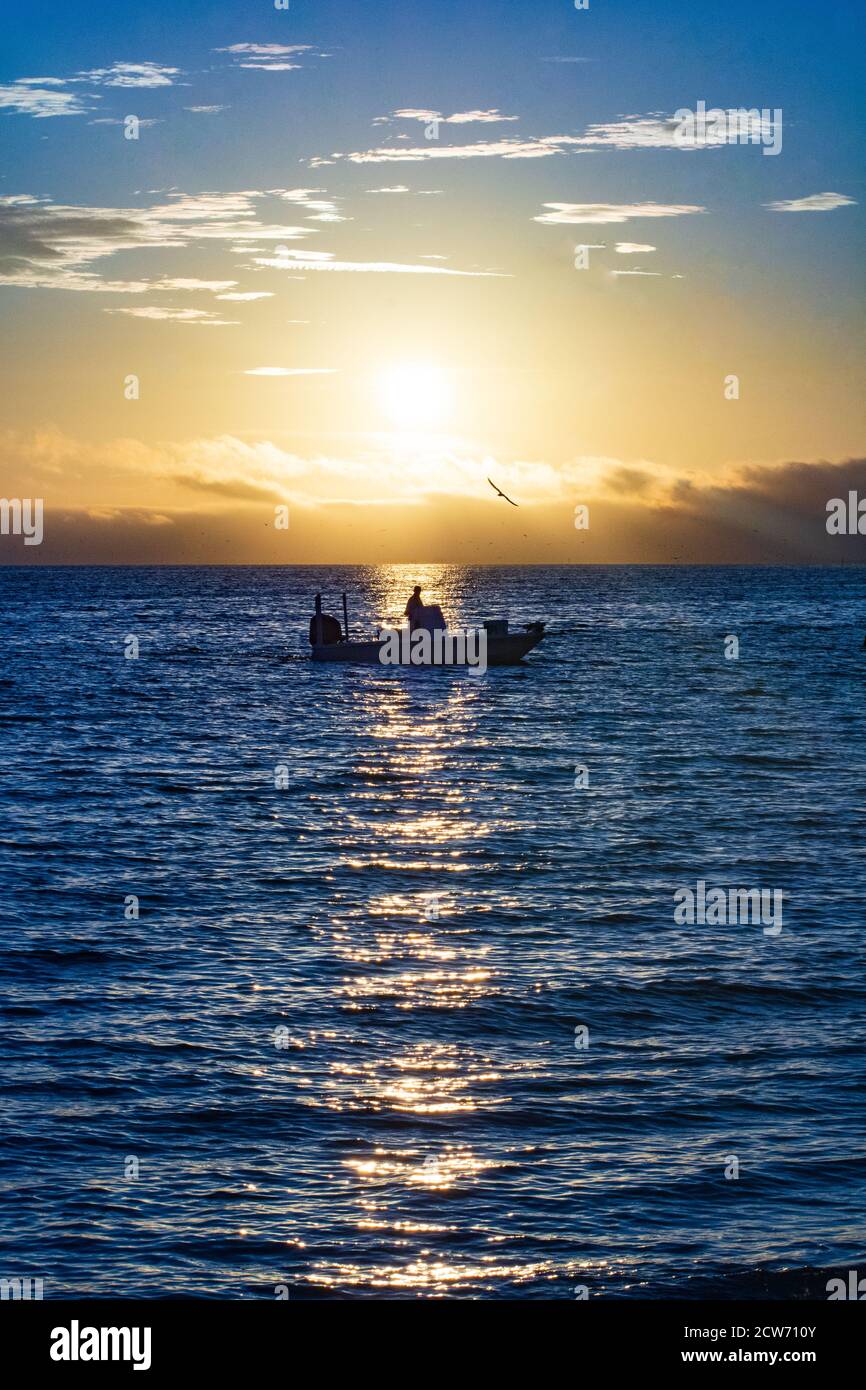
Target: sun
415,395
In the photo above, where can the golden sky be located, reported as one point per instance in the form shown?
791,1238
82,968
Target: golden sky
360,294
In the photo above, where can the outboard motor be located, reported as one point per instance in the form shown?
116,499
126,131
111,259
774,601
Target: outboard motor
331,630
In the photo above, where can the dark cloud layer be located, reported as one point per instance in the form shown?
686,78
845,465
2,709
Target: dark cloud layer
760,515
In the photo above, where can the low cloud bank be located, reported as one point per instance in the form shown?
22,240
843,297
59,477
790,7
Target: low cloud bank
219,498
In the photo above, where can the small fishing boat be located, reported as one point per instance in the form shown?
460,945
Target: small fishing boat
329,641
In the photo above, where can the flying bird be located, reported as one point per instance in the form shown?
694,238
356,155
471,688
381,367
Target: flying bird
500,493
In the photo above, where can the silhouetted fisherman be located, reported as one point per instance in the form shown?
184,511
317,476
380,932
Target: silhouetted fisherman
413,607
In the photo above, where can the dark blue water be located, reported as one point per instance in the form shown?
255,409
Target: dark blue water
339,1039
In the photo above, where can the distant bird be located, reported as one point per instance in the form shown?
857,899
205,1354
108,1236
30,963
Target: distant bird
500,493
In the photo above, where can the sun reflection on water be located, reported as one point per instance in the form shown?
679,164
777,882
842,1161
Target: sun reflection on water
413,943
428,1079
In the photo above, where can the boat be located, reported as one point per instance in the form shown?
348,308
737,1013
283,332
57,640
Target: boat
329,641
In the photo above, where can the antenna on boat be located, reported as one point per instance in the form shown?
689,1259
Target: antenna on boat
319,633
345,619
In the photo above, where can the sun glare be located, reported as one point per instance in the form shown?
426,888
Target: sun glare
415,396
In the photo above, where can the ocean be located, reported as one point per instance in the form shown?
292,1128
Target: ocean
361,982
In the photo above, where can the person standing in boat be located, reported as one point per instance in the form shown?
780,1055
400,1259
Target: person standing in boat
413,608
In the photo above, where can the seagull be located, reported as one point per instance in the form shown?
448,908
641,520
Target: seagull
500,493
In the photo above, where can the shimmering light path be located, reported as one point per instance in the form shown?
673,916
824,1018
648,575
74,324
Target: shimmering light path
339,1039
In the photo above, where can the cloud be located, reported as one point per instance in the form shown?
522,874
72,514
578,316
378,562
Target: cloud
178,283
265,51
42,96
269,57
632,248
482,149
575,214
55,246
206,110
118,120
130,75
199,317
403,188
25,99
247,295
229,467
416,496
323,260
318,209
458,118
655,131
815,202
290,371
684,131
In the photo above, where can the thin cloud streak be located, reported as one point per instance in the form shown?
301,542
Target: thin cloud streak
321,260
627,133
198,317
815,202
290,371
601,214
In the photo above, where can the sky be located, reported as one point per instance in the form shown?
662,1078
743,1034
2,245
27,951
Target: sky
291,285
